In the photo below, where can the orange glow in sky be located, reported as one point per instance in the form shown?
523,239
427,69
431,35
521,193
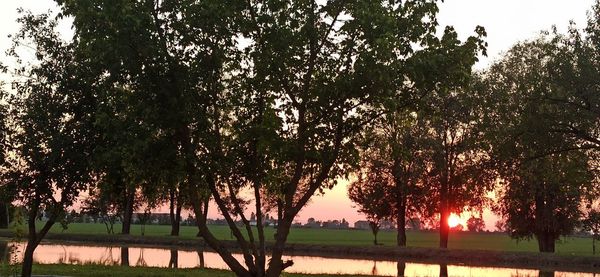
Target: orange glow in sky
453,220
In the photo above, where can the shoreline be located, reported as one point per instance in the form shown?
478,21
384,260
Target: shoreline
461,257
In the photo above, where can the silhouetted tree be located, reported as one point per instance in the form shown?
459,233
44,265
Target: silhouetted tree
392,159
475,224
459,170
546,176
591,224
369,194
52,133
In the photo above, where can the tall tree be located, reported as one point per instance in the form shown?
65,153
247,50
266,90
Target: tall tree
547,174
459,172
51,131
159,61
314,74
393,162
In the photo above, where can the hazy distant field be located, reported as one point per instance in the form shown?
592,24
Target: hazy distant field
459,240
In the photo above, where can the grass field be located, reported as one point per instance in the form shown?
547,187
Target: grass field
458,240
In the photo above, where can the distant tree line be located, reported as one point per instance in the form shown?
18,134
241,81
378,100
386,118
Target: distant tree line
259,105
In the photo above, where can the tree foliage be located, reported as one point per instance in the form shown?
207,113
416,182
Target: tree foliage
547,167
369,193
51,135
475,224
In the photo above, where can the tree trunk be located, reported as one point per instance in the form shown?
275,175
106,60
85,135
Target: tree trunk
545,238
401,222
375,238
128,212
34,238
27,266
4,221
124,256
277,265
174,213
374,229
444,228
546,242
444,213
201,212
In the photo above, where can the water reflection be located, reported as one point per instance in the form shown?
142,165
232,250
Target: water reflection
546,273
443,270
174,258
3,252
124,255
141,261
200,259
401,267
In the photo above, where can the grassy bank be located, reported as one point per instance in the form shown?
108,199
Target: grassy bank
458,240
110,271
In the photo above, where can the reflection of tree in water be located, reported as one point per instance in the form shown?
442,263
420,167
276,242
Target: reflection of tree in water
174,258
66,258
107,257
543,273
401,266
4,252
141,261
443,270
518,274
124,256
200,259
374,270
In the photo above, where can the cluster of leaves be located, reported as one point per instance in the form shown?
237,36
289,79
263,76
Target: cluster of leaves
542,101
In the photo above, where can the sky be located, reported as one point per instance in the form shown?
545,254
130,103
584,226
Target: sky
506,22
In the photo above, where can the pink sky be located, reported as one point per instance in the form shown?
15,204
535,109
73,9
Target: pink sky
335,204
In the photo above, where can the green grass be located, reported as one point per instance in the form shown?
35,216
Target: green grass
109,271
458,240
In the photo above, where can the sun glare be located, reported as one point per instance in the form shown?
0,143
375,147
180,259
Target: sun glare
453,220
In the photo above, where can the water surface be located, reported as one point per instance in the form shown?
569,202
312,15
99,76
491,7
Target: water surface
175,258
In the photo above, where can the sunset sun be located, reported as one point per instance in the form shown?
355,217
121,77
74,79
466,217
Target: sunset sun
453,220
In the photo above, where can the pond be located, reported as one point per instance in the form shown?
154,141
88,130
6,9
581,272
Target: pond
177,258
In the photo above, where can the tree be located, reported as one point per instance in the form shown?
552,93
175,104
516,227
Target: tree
500,226
591,224
369,194
392,160
459,170
475,224
98,207
546,175
158,73
4,197
305,90
51,131
262,97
